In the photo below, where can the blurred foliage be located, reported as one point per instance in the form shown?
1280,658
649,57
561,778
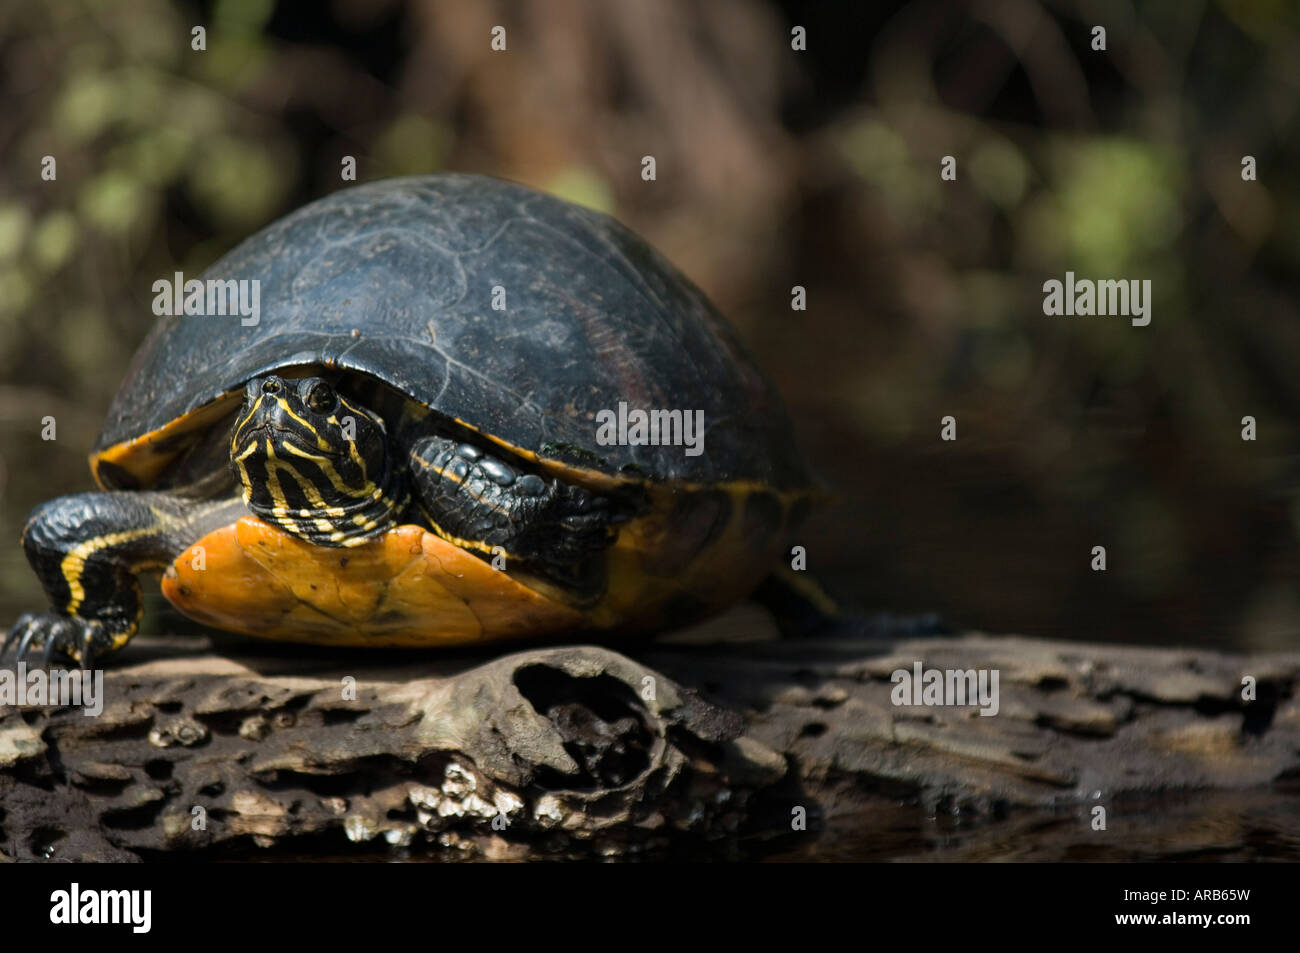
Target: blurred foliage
776,168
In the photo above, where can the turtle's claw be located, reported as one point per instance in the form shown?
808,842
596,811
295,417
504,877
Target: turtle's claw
29,633
55,634
47,653
15,633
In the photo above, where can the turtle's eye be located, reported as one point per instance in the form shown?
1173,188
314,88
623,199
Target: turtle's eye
321,398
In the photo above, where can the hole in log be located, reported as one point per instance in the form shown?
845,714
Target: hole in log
133,818
43,840
601,721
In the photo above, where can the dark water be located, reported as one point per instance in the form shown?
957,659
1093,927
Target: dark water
1216,826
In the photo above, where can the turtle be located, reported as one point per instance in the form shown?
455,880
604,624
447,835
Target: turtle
462,413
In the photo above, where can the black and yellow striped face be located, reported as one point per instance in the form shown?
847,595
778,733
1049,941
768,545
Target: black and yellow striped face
313,463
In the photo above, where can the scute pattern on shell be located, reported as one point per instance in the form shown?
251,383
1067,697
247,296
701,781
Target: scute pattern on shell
594,316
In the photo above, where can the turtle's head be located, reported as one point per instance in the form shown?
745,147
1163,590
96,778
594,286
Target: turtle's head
313,463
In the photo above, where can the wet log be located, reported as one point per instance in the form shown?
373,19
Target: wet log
726,740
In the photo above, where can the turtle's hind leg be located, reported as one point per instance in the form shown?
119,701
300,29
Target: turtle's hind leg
87,549
803,609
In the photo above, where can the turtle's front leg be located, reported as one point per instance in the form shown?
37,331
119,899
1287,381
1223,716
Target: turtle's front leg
480,502
86,549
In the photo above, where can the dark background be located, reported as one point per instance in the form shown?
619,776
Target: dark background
775,168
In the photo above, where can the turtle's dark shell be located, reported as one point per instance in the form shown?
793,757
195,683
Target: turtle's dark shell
395,279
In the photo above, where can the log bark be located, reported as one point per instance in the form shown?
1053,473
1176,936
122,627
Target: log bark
703,742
